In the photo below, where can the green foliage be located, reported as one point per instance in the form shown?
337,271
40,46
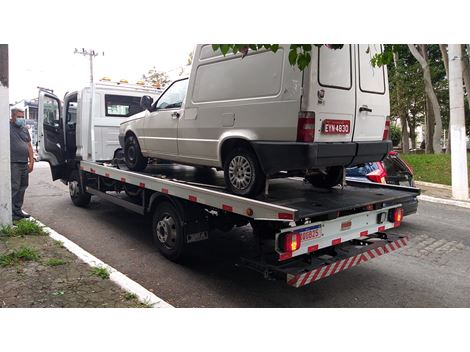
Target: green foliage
434,168
100,272
23,228
130,296
395,135
299,54
24,253
55,262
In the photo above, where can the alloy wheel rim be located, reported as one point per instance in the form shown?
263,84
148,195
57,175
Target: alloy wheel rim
240,172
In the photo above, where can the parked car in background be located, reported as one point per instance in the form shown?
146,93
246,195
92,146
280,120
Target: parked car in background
391,170
257,116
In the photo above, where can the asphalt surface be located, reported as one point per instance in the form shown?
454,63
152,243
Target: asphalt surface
433,271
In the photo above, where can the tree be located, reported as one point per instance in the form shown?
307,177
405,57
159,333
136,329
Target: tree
156,78
420,55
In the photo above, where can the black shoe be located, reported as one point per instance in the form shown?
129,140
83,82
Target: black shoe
24,214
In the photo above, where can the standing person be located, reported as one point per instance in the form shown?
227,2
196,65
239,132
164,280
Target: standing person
21,162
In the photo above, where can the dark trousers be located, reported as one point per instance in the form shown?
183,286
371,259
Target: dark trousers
19,183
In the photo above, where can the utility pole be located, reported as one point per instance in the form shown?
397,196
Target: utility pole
91,54
457,125
5,184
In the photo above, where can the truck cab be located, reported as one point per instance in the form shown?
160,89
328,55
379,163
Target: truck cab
85,125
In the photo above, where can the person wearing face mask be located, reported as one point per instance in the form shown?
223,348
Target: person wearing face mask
21,161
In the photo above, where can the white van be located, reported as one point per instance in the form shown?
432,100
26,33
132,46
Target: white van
82,128
257,116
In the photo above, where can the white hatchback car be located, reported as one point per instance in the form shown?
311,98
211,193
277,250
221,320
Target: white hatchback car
257,116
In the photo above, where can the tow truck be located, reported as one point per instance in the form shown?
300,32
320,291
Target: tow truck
303,233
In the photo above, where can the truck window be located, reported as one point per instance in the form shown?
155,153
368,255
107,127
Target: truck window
334,67
174,96
371,79
51,112
121,105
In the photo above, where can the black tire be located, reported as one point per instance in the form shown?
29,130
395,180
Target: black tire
79,197
334,176
167,231
242,173
135,161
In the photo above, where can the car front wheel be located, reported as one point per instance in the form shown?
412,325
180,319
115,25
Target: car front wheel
135,161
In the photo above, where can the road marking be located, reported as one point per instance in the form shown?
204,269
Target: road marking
456,203
127,284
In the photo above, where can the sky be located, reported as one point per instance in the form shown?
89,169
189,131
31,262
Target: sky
58,68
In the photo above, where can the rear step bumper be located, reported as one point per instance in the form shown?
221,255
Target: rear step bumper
291,156
300,272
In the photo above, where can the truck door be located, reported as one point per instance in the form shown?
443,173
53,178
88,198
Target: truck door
373,105
51,133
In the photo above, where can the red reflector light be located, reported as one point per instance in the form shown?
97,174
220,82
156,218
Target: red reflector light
378,175
386,135
292,242
306,126
398,215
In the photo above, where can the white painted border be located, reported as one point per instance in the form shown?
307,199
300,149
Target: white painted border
144,295
456,203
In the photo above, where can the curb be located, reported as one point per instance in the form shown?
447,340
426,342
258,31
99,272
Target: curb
456,203
127,284
435,185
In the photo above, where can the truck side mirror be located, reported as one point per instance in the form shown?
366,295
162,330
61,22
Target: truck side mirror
146,102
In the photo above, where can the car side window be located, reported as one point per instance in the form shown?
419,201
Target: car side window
174,96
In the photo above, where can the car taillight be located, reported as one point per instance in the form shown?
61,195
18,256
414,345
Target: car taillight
292,242
378,175
306,126
396,216
386,135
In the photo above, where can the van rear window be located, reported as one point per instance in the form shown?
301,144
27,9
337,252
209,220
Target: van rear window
121,105
371,79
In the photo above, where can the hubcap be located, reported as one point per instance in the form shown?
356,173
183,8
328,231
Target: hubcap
74,189
166,231
131,150
240,172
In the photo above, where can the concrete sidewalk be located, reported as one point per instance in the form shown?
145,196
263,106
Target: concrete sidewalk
439,193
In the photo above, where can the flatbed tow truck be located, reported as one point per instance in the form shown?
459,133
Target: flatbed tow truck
304,234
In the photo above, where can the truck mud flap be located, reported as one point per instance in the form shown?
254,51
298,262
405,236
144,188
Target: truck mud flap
304,271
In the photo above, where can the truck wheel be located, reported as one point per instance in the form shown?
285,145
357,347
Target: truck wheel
135,161
79,198
242,173
167,231
334,176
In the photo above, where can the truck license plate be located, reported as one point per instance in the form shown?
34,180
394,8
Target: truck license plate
336,126
310,233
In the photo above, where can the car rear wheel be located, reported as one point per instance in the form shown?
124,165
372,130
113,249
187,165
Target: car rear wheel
331,177
135,161
242,172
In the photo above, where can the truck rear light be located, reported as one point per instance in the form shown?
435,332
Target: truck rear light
378,175
292,242
396,216
306,126
386,135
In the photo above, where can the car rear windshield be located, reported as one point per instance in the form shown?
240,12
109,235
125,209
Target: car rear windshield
121,105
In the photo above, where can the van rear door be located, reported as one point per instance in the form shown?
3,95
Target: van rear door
51,133
373,105
329,92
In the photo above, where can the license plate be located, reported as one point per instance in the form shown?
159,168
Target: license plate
310,233
336,127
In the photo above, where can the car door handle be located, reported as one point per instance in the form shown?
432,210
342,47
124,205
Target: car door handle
364,108
175,115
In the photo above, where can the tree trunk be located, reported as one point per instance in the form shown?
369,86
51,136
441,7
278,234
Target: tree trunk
436,137
429,130
405,139
445,59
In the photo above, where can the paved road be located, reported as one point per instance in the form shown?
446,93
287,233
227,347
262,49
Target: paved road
433,271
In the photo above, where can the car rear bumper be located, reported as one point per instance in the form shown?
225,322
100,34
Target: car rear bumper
290,156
